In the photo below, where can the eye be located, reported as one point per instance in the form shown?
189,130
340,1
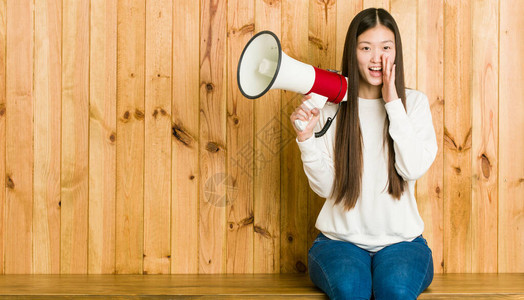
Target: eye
366,48
387,47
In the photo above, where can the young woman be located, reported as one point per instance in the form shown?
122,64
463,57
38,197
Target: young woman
370,241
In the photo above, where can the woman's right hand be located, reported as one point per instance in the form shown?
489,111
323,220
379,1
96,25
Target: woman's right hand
303,113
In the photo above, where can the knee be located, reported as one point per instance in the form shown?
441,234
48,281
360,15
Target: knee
349,290
338,288
394,293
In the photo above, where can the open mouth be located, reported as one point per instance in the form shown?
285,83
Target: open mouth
375,71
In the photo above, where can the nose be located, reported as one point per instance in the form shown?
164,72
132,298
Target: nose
376,57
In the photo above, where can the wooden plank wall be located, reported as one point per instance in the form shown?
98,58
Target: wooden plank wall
47,140
127,148
3,42
102,137
129,248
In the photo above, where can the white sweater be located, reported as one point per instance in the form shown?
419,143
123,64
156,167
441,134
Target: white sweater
377,220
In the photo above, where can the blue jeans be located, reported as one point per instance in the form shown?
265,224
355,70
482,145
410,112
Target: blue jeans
345,271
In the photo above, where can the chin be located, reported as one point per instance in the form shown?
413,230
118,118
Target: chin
376,82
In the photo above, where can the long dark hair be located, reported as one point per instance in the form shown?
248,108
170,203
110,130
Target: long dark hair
348,141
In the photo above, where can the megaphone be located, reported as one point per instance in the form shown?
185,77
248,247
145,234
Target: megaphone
263,66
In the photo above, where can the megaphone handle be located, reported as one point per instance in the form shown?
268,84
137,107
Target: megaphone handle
316,101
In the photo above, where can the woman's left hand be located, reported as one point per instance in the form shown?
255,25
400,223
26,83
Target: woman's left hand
389,90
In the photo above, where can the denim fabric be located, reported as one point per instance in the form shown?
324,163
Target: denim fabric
345,271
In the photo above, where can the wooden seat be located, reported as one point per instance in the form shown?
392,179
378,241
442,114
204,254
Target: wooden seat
278,286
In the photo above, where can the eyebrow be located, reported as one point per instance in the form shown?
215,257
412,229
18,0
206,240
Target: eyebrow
383,42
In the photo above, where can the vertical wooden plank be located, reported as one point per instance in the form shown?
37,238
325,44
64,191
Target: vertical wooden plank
129,248
385,4
511,143
346,11
19,137
212,226
3,43
267,147
322,50
294,184
429,191
48,86
457,137
484,97
184,222
157,192
75,129
405,14
102,137
240,158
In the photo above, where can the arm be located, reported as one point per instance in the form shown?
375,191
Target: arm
318,165
413,136
317,160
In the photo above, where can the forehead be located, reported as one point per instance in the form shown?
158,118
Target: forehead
377,35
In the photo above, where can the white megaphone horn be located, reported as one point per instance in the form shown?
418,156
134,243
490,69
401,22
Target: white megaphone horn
263,66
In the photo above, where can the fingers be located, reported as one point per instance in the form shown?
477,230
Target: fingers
307,115
306,97
313,122
388,68
384,67
305,111
301,114
393,72
388,59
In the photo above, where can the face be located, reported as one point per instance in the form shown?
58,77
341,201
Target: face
372,44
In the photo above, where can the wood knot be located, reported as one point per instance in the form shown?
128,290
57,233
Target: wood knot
159,110
231,225
191,177
458,170
112,137
236,120
262,231
181,135
126,116
437,190
486,166
248,28
60,203
132,75
139,115
212,147
2,109
271,2
317,42
246,221
301,267
210,87
9,183
290,238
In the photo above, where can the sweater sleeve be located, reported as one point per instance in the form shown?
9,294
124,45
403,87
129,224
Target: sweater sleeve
413,135
318,165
